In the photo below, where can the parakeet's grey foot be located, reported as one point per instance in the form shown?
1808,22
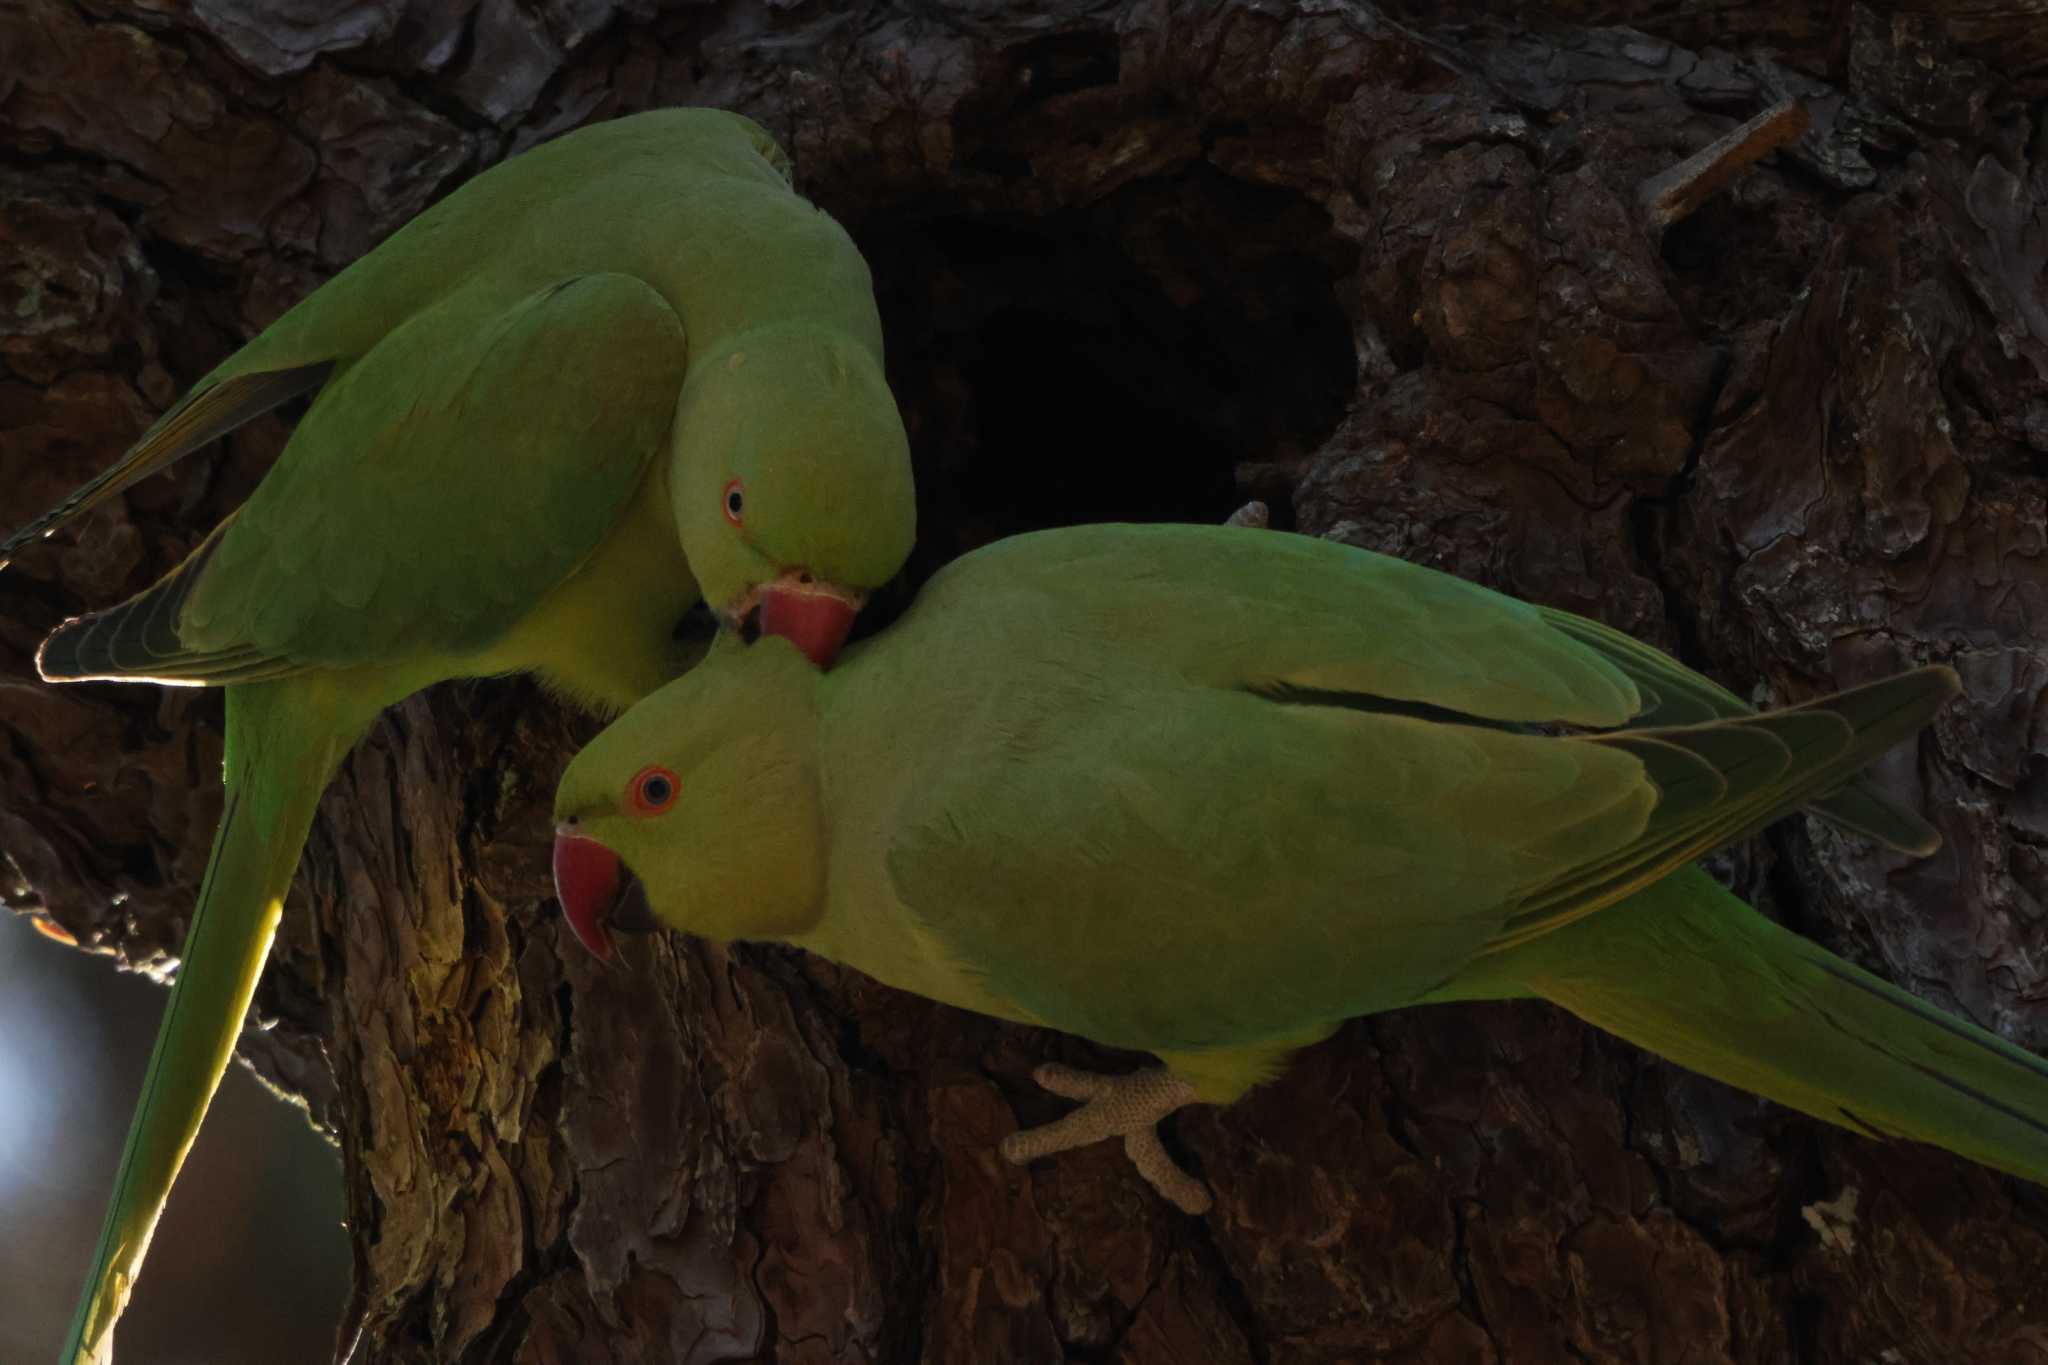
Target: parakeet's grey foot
1129,1107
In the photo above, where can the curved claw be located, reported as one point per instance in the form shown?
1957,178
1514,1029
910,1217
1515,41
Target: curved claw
1129,1107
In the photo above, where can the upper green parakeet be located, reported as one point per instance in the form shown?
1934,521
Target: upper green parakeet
1207,792
623,369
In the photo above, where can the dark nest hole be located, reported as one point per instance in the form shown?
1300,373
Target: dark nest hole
1739,257
1120,362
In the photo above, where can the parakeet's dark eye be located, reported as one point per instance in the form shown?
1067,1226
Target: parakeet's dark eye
652,791
735,502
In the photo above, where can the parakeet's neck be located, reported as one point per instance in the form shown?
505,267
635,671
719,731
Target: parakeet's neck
867,928
867,768
735,255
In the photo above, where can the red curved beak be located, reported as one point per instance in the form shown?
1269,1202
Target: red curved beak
815,617
587,878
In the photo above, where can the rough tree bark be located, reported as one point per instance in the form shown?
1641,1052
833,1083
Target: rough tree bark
1384,267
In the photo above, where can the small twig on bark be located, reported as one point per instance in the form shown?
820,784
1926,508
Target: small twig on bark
1675,193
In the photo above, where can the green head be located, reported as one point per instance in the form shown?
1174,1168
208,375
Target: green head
707,791
791,481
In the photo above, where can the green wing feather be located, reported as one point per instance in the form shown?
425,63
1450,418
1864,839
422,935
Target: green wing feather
435,491
1347,770
1684,697
206,414
1147,737
1336,862
1781,760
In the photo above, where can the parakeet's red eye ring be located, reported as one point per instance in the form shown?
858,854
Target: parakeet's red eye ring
652,790
735,500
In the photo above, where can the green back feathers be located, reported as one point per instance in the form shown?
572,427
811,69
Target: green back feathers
1245,608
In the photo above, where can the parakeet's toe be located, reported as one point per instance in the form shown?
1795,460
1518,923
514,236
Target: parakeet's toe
1130,1107
1164,1174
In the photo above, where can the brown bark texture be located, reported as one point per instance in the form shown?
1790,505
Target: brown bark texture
1385,267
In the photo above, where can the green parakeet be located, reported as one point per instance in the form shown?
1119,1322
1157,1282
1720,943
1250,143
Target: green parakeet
624,369
1207,792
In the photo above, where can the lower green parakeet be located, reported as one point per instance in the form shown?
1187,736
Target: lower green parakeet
1208,792
623,370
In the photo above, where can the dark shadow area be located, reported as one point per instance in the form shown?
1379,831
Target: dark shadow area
1777,240
1111,363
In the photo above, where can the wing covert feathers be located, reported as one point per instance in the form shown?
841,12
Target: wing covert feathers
1725,779
1672,693
203,417
1858,807
1675,695
547,412
138,640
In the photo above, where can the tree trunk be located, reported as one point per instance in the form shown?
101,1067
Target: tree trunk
1389,271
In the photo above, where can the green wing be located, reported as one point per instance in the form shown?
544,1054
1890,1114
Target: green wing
436,489
1723,780
1297,615
1675,695
1129,742
205,414
1151,728
1177,869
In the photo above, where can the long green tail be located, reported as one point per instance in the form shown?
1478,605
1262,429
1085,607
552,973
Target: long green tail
1689,972
278,761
